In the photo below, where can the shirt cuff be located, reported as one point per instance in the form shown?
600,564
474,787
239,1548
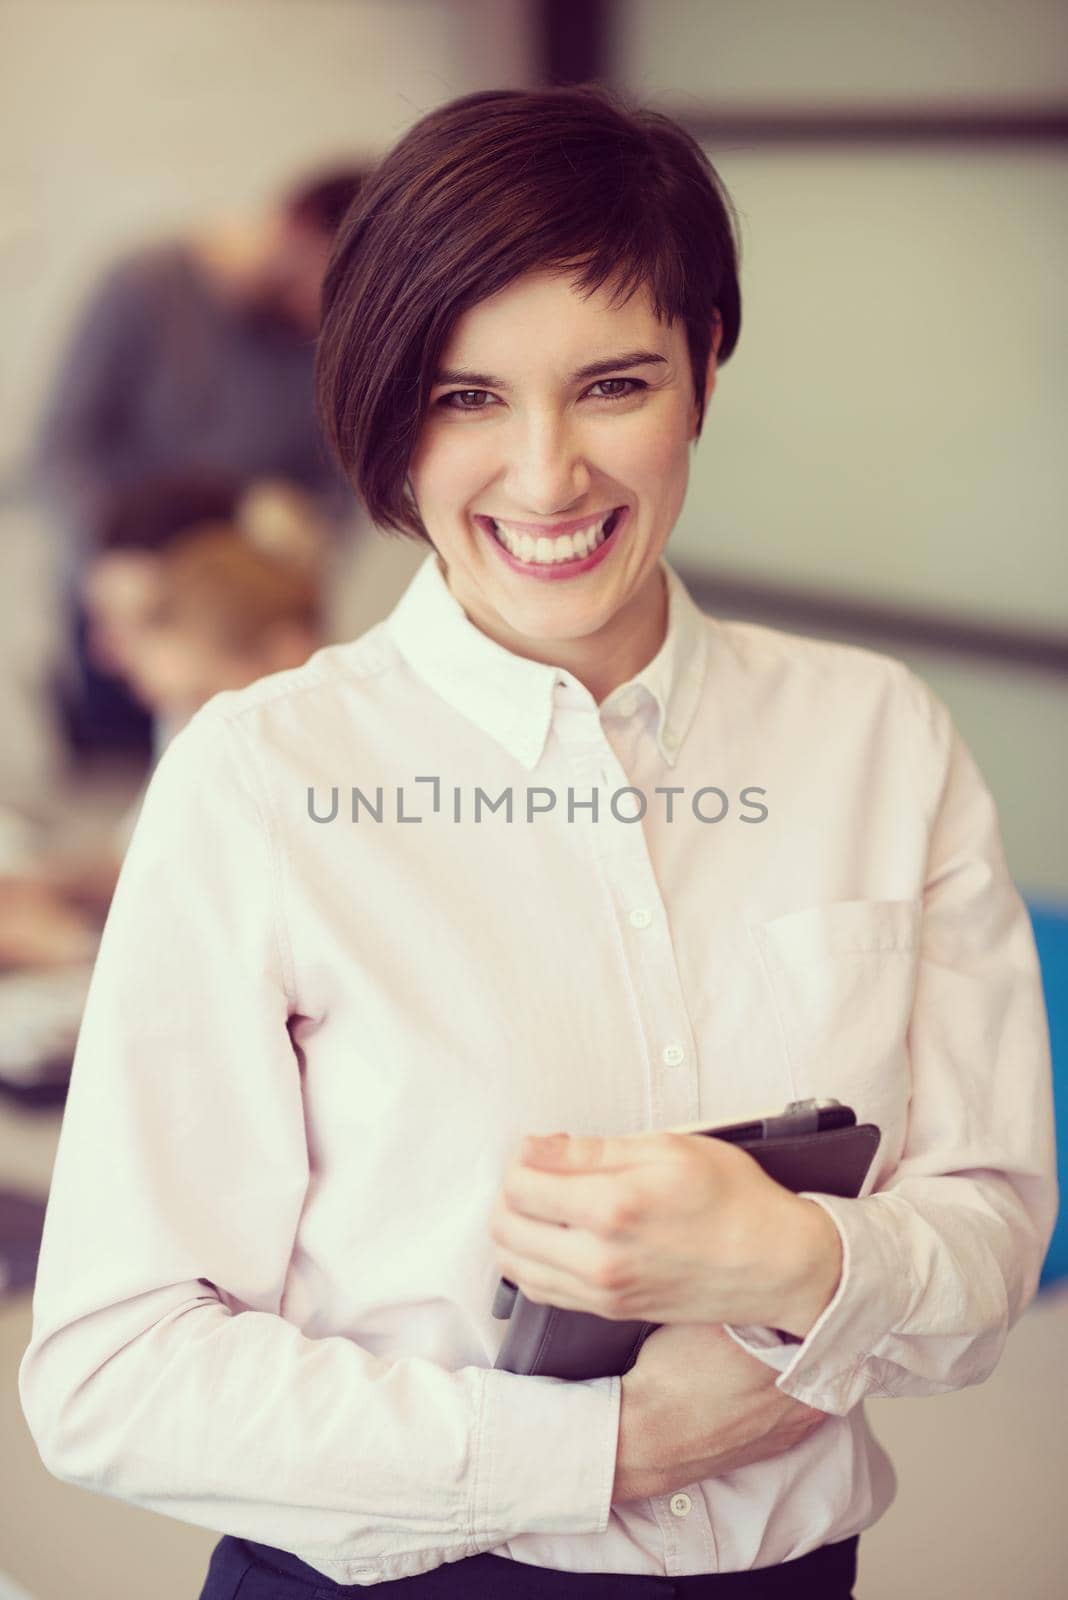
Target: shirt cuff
547,1455
770,1345
825,1369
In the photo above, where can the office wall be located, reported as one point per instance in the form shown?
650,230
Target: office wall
738,53
891,423
892,419
120,120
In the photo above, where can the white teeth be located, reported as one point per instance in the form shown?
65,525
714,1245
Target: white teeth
548,552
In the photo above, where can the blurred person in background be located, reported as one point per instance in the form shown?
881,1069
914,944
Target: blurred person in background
121,588
193,355
181,604
216,608
118,585
227,613
52,901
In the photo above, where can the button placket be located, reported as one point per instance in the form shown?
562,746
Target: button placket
686,1532
626,863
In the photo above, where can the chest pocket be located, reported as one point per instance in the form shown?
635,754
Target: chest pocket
841,978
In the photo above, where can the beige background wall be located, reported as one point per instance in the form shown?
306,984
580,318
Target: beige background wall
122,118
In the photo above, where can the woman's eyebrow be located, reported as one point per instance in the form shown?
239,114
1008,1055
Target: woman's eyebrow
593,369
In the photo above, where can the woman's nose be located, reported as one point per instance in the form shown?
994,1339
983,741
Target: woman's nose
548,471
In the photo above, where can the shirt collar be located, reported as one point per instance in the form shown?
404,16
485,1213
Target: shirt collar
510,697
675,675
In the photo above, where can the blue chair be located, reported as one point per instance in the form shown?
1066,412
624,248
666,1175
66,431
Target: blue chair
1050,923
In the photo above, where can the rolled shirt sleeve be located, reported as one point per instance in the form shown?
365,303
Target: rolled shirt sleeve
940,1262
161,1369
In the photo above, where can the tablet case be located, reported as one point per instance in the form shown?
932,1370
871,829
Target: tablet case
548,1341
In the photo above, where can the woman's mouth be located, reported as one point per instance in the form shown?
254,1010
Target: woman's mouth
565,556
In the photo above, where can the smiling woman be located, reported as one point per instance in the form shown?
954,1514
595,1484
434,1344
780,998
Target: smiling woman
547,472
550,504
485,189
290,1179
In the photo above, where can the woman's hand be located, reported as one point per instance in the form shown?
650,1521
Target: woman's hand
663,1227
696,1405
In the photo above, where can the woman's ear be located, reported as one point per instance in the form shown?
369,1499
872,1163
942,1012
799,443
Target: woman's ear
710,370
713,354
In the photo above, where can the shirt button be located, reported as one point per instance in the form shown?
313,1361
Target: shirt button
681,1504
673,1054
671,739
640,917
628,704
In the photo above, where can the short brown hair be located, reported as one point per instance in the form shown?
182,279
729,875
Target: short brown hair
488,187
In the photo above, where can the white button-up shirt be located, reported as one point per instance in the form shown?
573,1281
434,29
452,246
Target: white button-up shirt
386,913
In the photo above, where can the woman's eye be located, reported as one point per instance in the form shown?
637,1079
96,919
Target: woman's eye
630,386
457,394
635,385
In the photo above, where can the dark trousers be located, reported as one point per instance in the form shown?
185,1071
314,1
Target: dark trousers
241,1570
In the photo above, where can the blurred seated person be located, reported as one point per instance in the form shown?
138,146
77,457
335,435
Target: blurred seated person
214,609
121,588
118,586
193,355
232,606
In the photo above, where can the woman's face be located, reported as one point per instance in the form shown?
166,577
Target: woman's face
518,439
